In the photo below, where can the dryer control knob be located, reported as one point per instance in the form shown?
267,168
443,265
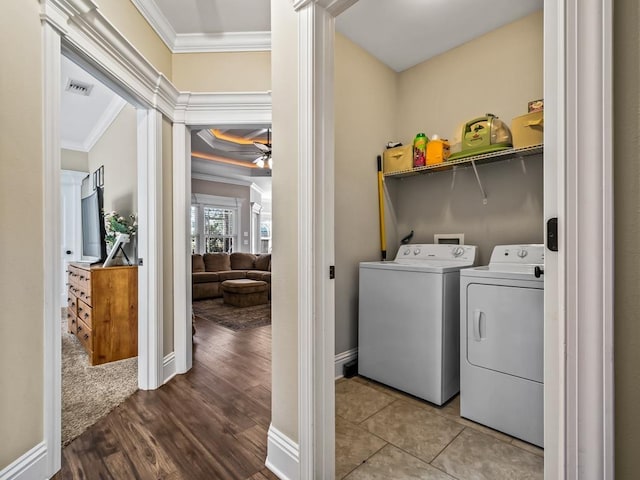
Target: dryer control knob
407,251
416,251
458,251
522,253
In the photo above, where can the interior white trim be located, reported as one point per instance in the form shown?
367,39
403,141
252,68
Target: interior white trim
30,466
283,455
200,42
89,34
157,20
205,109
343,358
168,367
52,369
150,278
104,122
222,42
589,235
316,296
182,336
555,412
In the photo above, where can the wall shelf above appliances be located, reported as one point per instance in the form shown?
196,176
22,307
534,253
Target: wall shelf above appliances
469,161
512,153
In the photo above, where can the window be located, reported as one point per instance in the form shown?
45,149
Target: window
194,229
215,223
265,237
219,229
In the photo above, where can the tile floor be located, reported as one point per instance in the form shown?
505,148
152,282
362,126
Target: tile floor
384,434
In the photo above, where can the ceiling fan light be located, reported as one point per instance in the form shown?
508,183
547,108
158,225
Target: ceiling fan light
270,162
260,163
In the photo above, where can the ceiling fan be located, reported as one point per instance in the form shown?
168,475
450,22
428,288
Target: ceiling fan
265,149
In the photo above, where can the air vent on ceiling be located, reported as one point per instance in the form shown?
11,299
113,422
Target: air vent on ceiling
78,87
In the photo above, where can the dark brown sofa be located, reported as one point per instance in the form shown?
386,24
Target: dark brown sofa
211,269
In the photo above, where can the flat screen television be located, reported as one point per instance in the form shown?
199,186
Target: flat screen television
94,247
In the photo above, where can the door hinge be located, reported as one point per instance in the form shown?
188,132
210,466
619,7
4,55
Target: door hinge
332,272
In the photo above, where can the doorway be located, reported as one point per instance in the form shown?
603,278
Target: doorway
562,52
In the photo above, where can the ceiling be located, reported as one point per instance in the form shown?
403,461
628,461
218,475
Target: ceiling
400,33
84,118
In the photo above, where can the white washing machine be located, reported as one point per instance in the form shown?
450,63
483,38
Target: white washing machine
408,328
502,342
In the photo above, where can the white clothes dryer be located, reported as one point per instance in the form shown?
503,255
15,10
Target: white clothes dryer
408,327
502,342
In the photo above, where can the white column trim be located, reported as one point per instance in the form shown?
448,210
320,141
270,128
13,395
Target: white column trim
150,280
283,456
182,338
589,241
316,351
554,206
51,245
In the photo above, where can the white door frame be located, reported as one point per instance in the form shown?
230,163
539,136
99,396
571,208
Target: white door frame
80,29
199,111
578,190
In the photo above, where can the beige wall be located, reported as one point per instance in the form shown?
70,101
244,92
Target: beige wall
21,257
365,103
74,160
222,72
167,237
626,143
130,22
284,40
436,97
498,73
117,151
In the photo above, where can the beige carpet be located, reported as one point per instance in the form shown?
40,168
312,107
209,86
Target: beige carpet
89,393
235,318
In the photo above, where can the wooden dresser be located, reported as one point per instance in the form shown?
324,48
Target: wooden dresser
102,310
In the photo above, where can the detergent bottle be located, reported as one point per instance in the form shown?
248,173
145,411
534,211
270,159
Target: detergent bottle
420,150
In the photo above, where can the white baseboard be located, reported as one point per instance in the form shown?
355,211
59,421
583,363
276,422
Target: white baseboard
343,358
169,367
282,455
30,466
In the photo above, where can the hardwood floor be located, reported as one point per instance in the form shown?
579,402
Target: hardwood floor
210,423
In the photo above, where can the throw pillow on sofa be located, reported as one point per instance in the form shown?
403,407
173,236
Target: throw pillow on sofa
242,261
263,261
217,262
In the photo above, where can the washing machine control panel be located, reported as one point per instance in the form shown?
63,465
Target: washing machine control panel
518,254
429,251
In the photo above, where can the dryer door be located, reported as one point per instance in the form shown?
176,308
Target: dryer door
505,329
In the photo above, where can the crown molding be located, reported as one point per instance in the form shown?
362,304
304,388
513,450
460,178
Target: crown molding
333,7
223,108
222,42
200,42
154,17
108,116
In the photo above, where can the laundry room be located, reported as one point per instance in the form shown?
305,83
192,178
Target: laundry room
482,201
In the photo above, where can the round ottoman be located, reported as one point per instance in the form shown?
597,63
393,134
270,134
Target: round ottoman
244,292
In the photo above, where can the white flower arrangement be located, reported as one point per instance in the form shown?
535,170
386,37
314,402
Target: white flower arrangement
114,223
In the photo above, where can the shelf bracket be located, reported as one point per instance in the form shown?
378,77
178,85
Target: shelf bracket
475,170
